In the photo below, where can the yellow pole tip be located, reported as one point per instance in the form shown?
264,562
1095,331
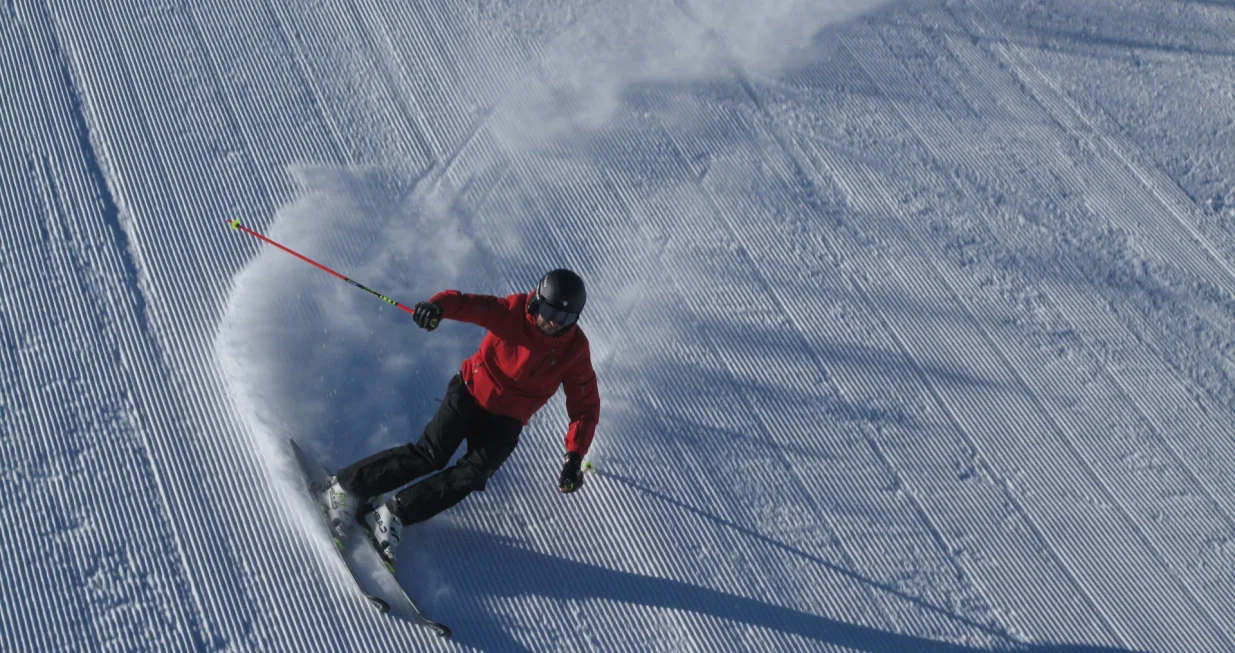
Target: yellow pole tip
235,224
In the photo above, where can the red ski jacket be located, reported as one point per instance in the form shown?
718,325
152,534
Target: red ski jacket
518,368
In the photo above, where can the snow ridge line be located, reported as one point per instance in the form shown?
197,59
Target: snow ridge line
293,551
101,181
127,264
802,178
717,354
889,207
1102,483
153,404
544,248
1154,425
1170,207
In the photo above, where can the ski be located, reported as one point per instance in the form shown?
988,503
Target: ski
441,630
316,476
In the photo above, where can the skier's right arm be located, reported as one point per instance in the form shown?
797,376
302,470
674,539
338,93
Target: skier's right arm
485,310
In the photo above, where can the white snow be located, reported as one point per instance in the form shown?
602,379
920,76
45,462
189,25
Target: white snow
913,319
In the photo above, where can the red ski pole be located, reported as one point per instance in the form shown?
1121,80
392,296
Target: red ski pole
235,224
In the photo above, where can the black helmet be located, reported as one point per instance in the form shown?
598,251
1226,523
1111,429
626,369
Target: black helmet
559,297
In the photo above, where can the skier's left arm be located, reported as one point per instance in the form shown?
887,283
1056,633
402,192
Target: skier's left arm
583,408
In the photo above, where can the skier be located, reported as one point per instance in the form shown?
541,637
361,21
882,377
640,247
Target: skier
533,346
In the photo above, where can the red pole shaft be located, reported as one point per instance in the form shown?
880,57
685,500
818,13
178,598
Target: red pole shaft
235,225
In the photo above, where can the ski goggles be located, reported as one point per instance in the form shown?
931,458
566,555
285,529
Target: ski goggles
555,314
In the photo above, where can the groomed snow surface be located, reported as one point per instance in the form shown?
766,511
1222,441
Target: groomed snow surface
913,319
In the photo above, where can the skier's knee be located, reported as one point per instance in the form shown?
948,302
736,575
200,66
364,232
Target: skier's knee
473,478
433,456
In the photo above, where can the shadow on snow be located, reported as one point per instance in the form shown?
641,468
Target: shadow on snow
501,567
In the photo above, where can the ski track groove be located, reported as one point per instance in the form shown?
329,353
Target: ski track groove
236,626
376,73
167,456
1160,434
341,588
690,539
26,591
385,53
1171,205
717,353
700,481
954,418
1213,432
897,477
803,342
796,173
915,129
76,266
767,428
944,405
348,142
1155,427
686,622
62,628
445,111
316,138
86,171
937,397
1154,549
689,622
341,147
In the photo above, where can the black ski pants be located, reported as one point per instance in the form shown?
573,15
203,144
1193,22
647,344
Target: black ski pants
490,440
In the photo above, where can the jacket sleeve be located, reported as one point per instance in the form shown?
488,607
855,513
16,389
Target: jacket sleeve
582,403
487,311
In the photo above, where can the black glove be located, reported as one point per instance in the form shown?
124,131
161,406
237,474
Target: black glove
572,472
427,315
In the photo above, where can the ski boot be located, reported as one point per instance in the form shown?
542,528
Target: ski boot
341,507
385,532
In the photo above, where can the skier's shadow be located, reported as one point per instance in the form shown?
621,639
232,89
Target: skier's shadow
492,567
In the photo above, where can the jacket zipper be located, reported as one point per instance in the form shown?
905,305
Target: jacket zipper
542,362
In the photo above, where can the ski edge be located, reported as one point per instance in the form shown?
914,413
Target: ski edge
441,630
302,459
